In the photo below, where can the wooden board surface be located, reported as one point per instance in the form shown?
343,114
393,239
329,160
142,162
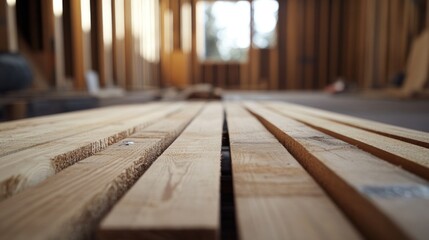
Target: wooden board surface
70,204
178,197
295,174
384,201
408,135
409,156
21,137
32,165
275,197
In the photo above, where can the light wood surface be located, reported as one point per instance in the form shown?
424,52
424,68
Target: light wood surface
178,197
409,156
384,201
297,173
70,204
32,165
408,135
275,197
22,137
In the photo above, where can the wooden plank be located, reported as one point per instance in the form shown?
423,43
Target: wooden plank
409,156
71,203
403,134
384,201
33,165
272,190
49,119
178,197
18,139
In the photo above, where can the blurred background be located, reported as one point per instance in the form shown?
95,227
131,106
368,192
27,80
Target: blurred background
65,55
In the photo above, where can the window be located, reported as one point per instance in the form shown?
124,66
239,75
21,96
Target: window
224,28
265,14
224,34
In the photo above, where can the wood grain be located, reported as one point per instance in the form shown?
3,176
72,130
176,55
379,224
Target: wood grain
70,204
31,166
409,156
275,197
54,129
408,135
178,197
384,201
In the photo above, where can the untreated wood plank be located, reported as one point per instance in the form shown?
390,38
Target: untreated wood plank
21,138
384,201
409,156
71,204
178,197
31,166
404,134
49,119
275,197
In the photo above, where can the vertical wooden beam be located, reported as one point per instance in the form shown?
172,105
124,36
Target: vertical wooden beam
128,44
48,54
427,15
77,35
334,39
308,56
3,27
383,42
60,82
195,64
282,45
105,42
11,25
361,42
175,8
292,51
323,43
370,44
274,67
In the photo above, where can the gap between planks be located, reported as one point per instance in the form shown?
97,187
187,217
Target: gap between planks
275,197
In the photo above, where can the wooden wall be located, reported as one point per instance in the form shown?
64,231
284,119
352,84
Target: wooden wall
364,42
375,39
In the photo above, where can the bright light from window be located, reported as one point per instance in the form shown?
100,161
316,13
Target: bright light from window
57,6
226,30
107,22
86,15
11,3
265,14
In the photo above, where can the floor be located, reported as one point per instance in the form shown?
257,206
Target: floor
412,113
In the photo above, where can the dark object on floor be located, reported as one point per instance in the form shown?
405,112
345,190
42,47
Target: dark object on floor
15,73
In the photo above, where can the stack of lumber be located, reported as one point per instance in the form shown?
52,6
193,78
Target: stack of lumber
153,171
